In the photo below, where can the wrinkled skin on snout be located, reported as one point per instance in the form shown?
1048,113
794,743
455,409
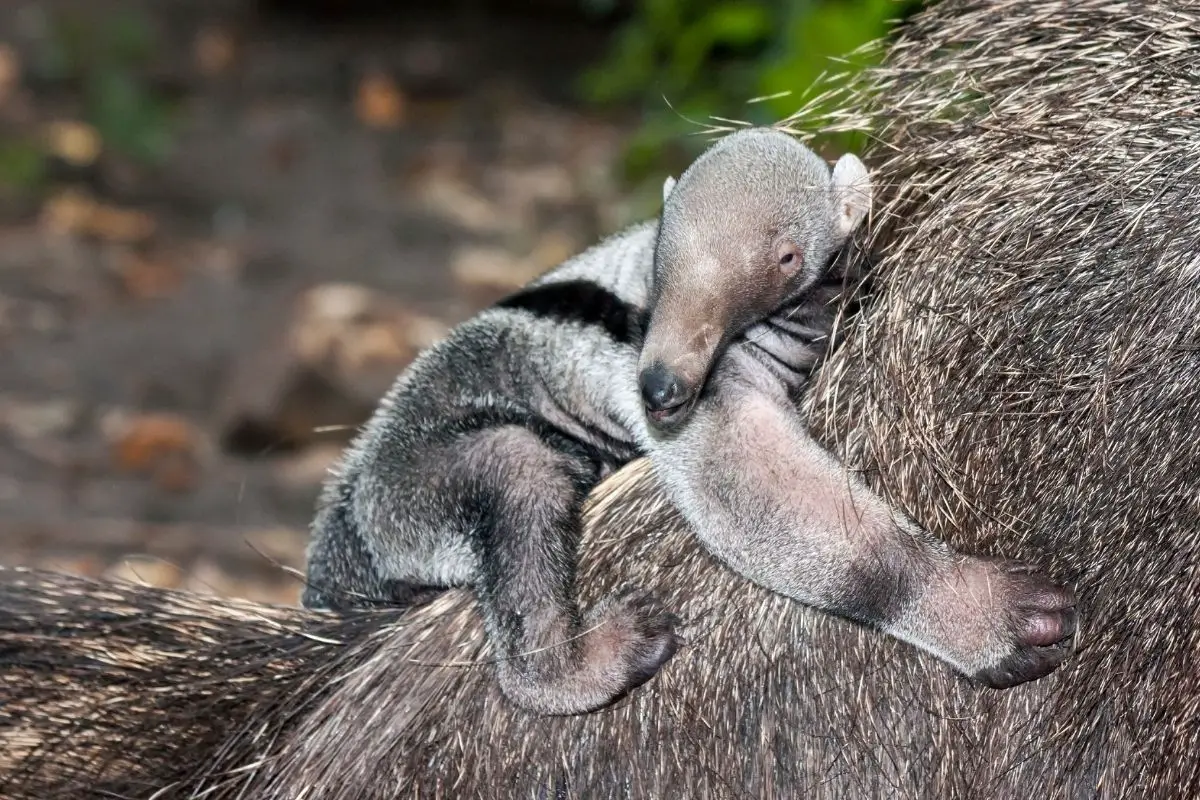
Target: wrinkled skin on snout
750,226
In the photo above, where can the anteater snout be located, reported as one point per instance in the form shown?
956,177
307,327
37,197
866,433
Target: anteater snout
666,394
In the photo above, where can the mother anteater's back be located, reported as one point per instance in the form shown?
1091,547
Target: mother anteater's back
1025,379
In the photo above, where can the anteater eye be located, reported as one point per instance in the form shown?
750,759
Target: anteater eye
788,256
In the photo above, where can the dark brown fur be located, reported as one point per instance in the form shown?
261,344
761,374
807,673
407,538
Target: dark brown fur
1024,379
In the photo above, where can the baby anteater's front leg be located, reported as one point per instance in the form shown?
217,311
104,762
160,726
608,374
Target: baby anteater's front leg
523,497
766,499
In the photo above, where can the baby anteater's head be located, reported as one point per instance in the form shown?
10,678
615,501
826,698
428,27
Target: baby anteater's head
750,225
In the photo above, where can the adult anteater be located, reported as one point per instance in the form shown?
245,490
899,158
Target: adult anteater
1025,371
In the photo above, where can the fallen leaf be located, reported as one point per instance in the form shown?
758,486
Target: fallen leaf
547,183
77,143
355,326
148,278
491,267
339,302
67,212
374,345
458,202
74,212
145,440
120,225
214,50
176,472
35,420
378,102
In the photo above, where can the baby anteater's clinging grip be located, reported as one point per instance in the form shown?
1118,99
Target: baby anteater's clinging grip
686,340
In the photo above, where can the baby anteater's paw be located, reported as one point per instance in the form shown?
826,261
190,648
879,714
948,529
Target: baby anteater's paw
1000,623
634,634
623,642
1041,624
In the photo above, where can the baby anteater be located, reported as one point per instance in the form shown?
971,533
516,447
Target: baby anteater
474,468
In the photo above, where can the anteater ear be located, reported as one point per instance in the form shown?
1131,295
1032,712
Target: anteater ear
668,185
851,193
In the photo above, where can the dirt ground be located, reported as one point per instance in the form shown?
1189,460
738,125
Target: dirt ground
184,349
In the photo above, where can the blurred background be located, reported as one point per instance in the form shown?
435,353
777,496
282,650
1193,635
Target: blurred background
225,225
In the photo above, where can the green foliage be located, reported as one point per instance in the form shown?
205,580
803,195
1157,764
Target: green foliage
106,58
130,119
100,60
686,61
22,163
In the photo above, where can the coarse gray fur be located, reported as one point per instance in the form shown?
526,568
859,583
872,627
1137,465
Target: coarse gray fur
1023,376
474,469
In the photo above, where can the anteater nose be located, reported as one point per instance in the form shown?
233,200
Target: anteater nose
661,388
